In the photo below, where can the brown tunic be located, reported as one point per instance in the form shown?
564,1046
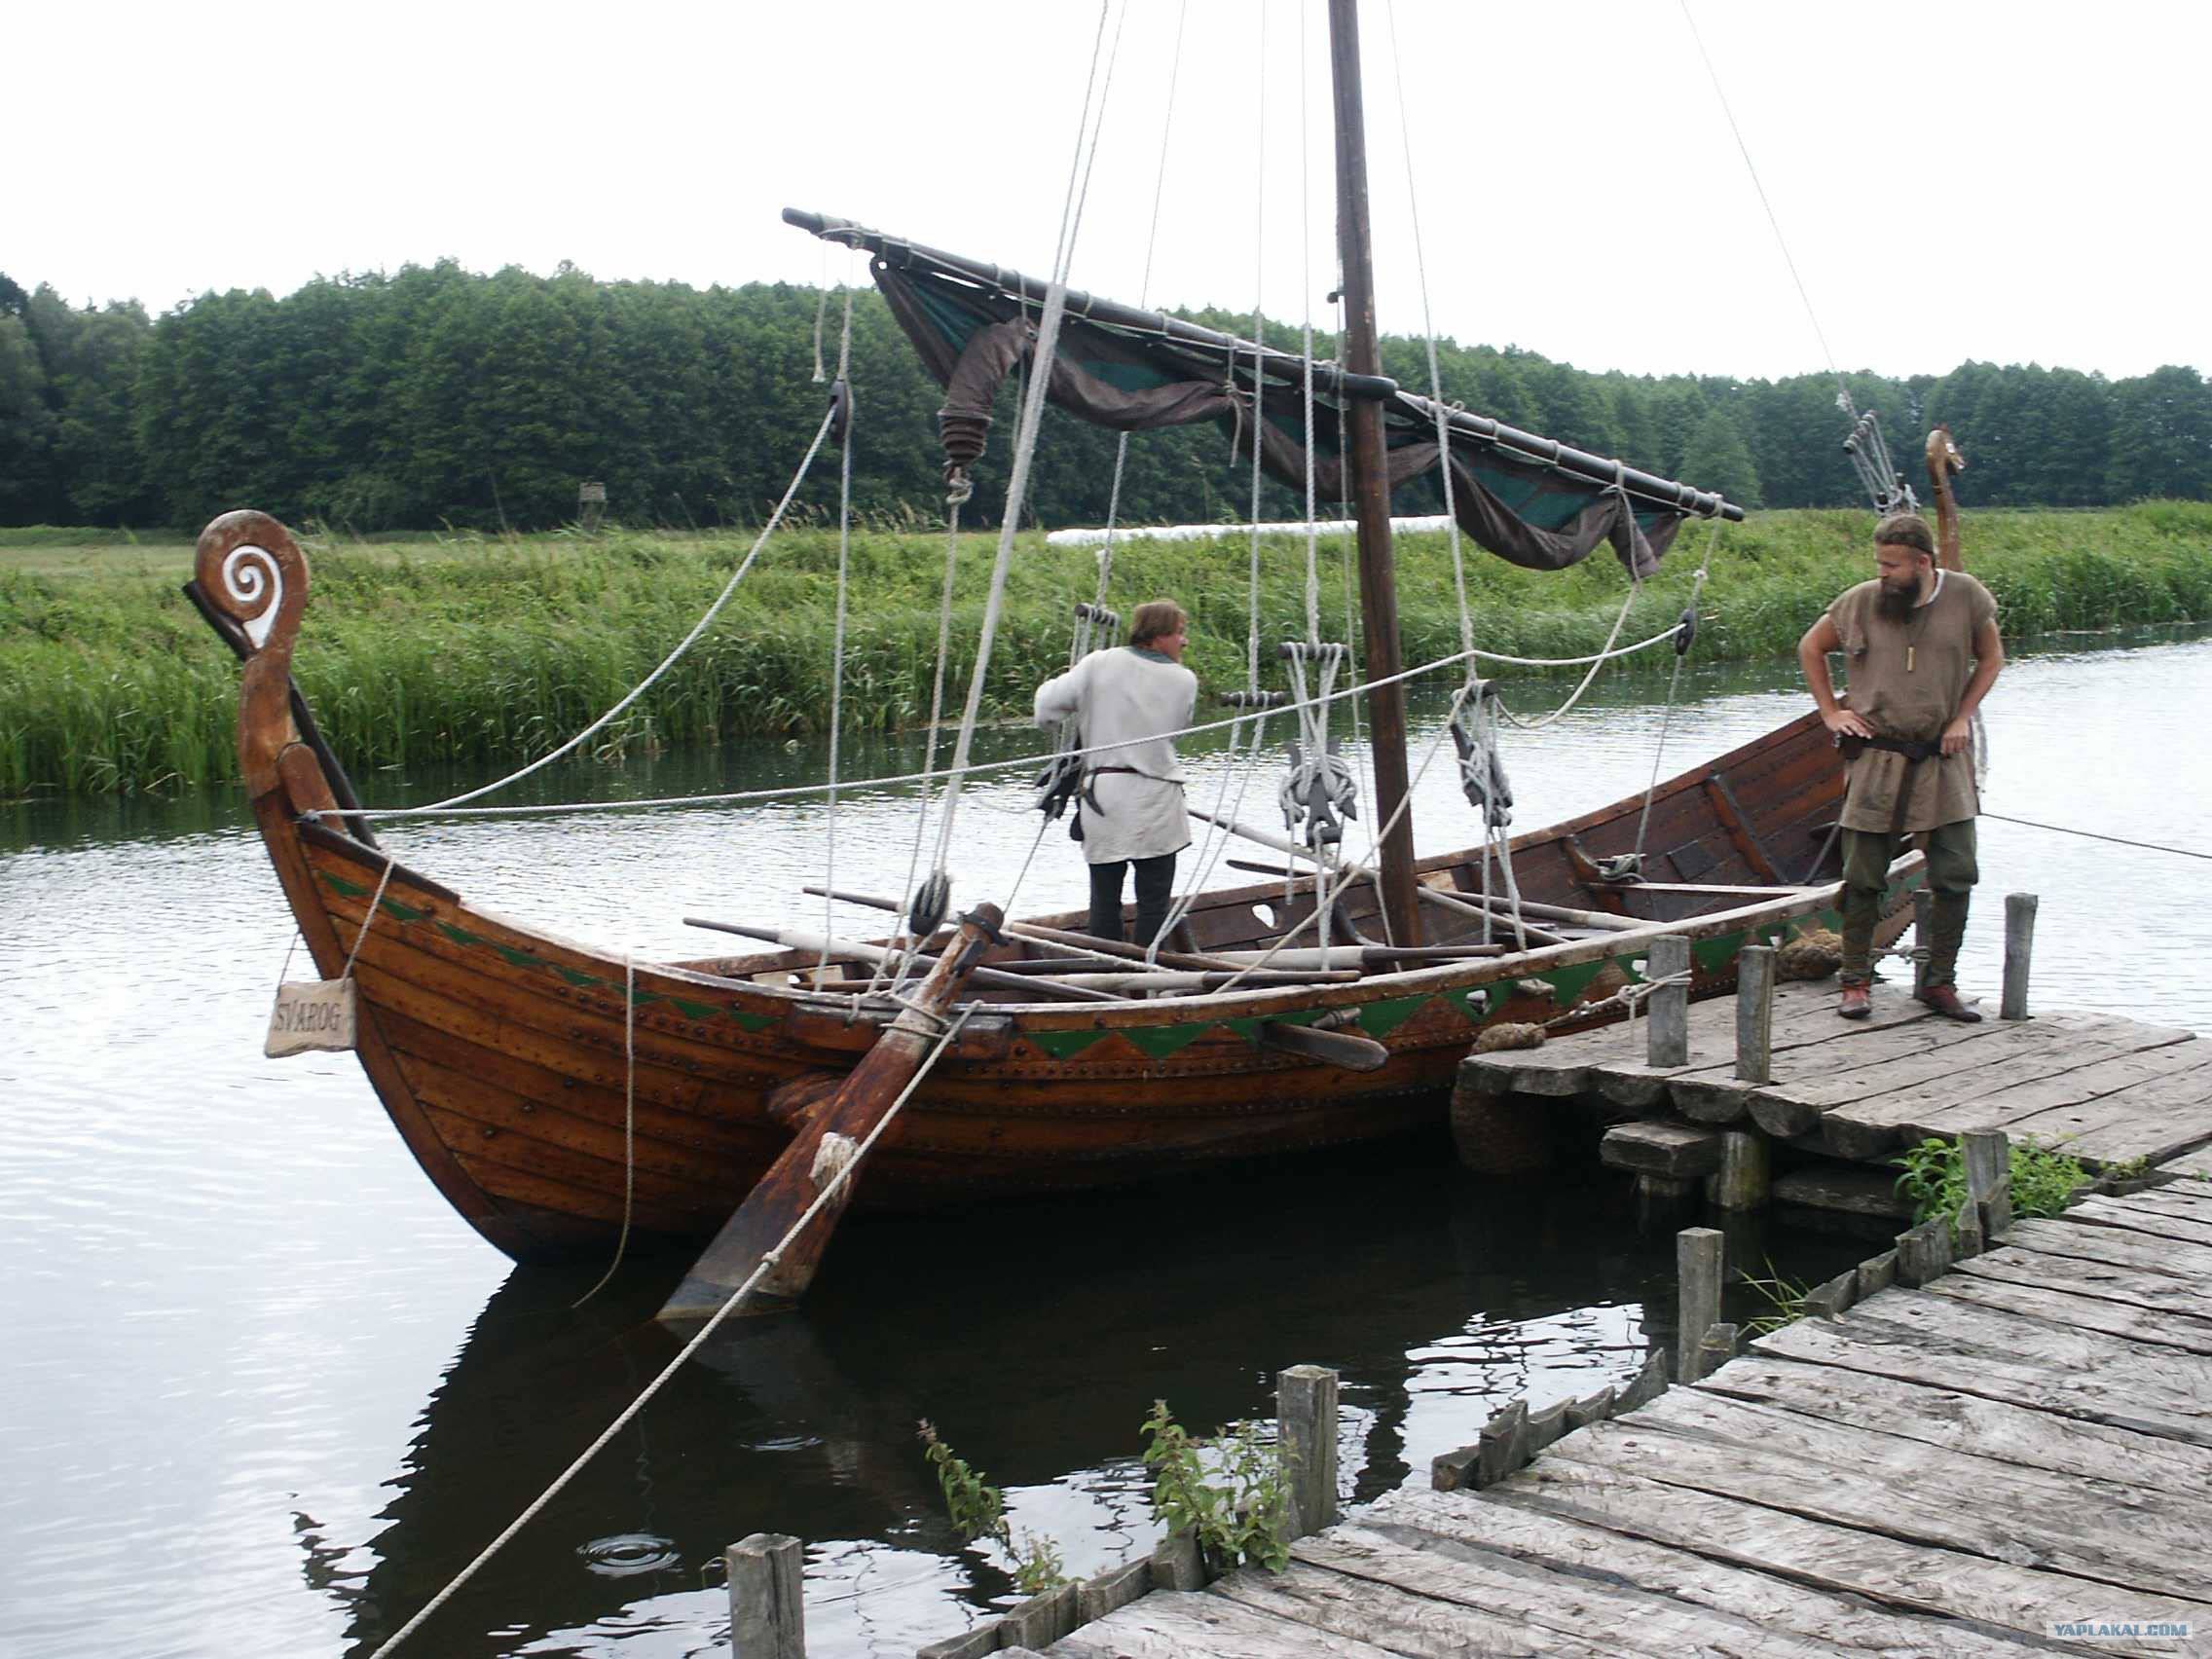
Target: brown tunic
1914,703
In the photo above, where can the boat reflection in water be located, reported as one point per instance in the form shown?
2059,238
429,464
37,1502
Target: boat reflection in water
1036,1336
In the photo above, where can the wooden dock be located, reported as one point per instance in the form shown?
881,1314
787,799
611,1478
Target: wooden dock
2014,1457
2108,1090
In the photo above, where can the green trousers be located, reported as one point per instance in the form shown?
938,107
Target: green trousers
1951,875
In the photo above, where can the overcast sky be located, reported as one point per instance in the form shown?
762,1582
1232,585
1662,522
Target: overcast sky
2010,182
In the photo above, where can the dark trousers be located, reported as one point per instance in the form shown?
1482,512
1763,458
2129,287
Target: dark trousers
1155,888
1952,871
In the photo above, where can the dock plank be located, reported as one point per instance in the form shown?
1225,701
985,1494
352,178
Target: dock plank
1188,1624
1961,1096
1846,1560
1873,1349
1873,1483
1451,1521
2116,1245
1313,1597
2148,1219
1617,1617
1965,1422
2161,1329
2015,1264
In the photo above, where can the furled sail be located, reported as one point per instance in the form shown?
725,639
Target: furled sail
1528,500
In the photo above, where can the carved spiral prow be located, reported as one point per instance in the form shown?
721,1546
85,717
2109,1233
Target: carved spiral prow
1944,460
249,569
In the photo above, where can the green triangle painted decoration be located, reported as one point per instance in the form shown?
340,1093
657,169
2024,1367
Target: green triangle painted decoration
1162,1041
404,912
581,980
519,958
1462,998
459,936
1380,1018
339,884
694,1010
752,1021
1064,1045
1570,982
1248,1029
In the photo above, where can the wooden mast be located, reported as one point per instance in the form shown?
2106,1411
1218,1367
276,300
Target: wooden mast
1371,493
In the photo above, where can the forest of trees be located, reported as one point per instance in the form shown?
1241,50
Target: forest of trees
436,395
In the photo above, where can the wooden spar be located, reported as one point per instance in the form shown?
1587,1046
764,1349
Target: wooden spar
1345,1049
1371,490
1083,944
831,1136
852,950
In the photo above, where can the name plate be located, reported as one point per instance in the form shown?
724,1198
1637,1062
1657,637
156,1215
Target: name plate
310,1015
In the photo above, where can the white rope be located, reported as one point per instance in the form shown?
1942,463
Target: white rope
1673,684
1539,721
368,921
786,791
838,643
1025,444
668,662
1428,334
737,1297
629,1121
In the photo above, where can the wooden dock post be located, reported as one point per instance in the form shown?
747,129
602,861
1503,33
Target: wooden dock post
2019,945
1305,1414
1923,935
1667,1010
1699,1253
1743,1181
1755,1014
767,1613
1989,1178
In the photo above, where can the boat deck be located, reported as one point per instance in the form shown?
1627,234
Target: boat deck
2015,1456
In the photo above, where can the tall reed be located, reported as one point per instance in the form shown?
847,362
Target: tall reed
489,650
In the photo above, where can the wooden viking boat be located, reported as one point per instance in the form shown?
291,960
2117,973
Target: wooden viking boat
504,1055
499,1051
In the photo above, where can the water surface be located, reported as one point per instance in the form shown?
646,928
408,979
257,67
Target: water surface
265,1393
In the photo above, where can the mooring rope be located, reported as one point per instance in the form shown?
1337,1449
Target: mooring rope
629,1121
2092,836
838,1177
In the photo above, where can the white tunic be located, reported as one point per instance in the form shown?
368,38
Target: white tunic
1128,697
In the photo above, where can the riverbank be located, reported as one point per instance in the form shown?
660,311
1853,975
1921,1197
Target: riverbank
473,648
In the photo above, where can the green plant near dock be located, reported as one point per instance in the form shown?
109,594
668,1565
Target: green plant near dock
1785,1299
978,1510
493,649
2045,1179
1237,1508
1231,1493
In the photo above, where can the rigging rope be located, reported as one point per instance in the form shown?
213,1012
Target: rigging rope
838,644
784,791
1025,444
629,1121
668,662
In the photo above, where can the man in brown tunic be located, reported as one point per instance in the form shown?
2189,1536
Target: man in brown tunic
1921,652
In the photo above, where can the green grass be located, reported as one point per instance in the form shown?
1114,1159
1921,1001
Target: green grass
485,649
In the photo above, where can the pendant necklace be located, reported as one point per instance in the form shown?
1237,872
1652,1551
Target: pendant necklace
1912,634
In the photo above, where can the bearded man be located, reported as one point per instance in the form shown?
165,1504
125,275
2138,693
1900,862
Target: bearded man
1921,652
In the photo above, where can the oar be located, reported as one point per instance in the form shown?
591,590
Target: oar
829,1140
852,950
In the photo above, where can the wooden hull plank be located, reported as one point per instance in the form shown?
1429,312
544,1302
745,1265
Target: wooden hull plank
1544,1538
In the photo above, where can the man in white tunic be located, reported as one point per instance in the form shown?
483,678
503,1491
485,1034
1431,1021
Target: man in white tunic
1130,804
